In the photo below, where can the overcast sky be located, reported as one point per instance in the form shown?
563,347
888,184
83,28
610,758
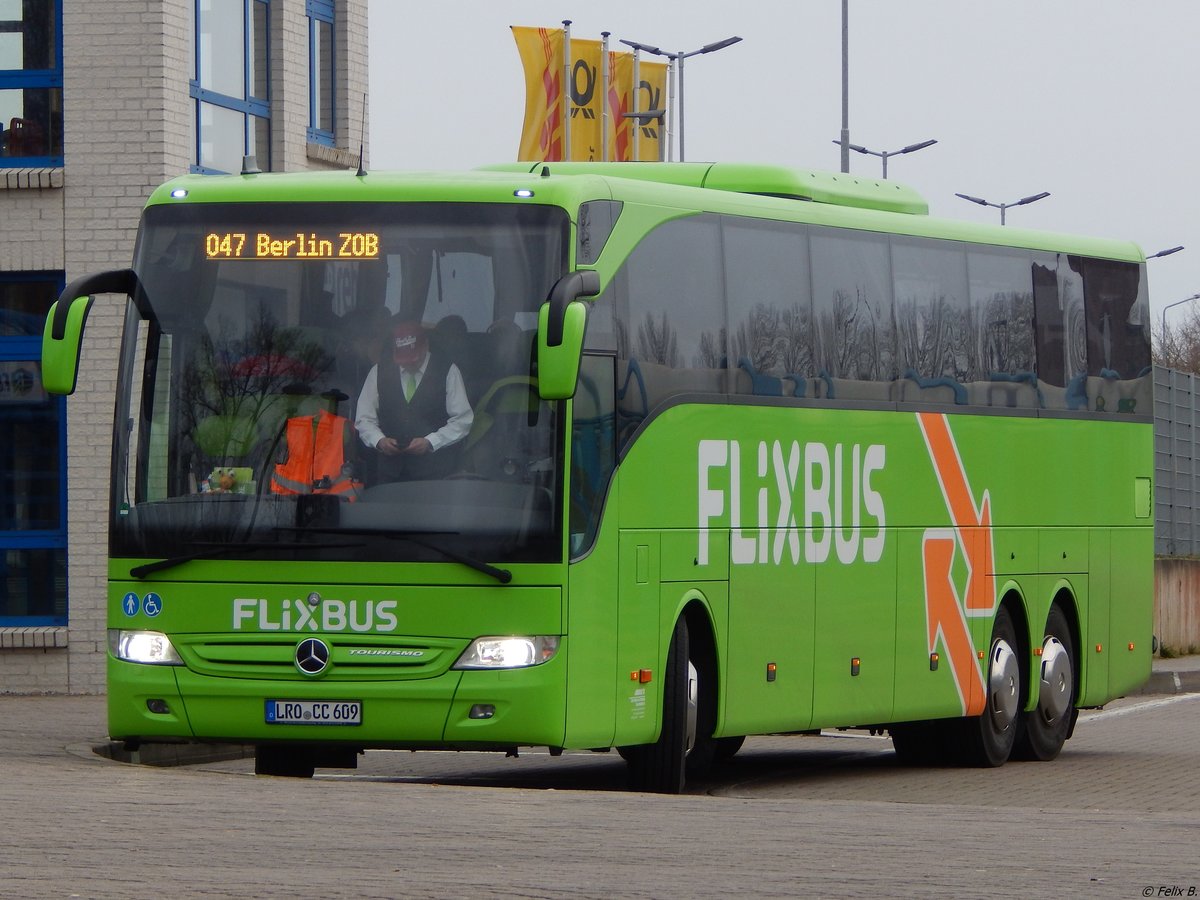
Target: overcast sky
1091,100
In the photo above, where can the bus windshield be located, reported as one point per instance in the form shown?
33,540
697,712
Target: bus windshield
263,361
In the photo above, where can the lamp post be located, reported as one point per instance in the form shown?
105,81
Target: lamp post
845,140
679,58
1168,306
1166,252
641,117
884,154
1003,206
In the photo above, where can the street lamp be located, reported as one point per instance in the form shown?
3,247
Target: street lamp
1168,306
1167,252
641,117
845,140
680,57
1003,206
884,154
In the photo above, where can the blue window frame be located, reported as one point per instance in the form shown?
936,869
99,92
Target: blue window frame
33,457
231,85
322,73
31,81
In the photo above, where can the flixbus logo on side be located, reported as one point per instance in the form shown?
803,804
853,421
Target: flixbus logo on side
826,491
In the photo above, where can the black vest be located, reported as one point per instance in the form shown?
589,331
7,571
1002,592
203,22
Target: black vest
404,419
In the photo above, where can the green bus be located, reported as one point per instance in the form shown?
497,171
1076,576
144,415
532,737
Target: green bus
751,450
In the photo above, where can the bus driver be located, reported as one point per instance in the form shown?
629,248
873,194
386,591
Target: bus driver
413,409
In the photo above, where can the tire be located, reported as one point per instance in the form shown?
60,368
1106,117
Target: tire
706,749
988,739
659,768
1045,729
284,762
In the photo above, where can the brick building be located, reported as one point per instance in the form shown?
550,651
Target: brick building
100,103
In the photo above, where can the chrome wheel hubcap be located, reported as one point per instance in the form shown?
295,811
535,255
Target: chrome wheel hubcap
1057,681
693,705
1003,681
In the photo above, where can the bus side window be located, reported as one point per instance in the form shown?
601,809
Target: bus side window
676,325
770,307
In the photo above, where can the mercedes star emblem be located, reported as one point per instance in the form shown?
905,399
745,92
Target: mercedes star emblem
312,656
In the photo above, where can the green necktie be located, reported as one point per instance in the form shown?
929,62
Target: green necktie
409,384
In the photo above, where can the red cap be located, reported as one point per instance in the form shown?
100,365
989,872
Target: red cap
408,343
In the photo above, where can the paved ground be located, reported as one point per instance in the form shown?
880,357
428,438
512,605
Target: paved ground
1118,814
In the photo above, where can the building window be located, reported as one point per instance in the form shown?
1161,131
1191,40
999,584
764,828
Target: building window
33,529
31,78
231,87
322,73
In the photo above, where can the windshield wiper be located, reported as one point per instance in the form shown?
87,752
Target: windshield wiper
212,551
504,576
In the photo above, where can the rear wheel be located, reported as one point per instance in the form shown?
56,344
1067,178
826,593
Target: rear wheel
283,761
989,738
660,767
1043,731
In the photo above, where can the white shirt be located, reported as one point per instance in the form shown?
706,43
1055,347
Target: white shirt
458,409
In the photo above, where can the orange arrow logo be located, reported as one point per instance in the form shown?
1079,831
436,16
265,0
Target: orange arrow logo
971,532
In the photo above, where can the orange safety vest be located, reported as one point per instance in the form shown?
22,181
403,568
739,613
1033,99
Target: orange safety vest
315,460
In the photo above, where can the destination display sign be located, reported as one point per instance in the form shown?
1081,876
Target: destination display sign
311,245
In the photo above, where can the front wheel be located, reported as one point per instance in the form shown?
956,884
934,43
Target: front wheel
1044,730
660,767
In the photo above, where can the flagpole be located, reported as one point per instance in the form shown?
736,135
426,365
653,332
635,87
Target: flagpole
637,89
670,154
604,76
566,89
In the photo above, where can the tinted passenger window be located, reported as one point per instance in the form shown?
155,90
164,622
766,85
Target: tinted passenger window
1000,285
669,317
770,308
1118,332
852,306
676,303
932,312
1001,293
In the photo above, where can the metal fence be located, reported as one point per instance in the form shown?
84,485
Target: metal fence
1176,463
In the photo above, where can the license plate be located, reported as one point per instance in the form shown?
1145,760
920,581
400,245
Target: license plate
314,712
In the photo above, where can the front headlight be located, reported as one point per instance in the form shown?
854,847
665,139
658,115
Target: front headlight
508,652
149,647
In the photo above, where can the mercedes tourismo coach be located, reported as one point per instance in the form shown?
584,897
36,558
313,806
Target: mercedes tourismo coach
753,450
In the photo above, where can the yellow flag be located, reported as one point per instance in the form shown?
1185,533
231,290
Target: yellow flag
586,87
542,59
652,94
541,51
587,114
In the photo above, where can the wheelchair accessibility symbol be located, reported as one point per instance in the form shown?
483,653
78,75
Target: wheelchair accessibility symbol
152,605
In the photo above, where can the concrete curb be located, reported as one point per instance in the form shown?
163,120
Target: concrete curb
1171,682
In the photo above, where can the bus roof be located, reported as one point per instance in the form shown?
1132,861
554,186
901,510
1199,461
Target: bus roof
746,178
766,191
